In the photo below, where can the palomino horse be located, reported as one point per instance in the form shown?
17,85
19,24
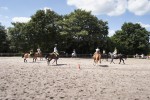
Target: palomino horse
121,57
51,56
97,57
28,55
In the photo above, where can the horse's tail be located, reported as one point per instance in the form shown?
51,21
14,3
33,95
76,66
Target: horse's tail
22,55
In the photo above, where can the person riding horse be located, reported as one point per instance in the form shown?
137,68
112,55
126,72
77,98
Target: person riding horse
97,51
97,56
74,53
38,50
115,53
55,51
117,56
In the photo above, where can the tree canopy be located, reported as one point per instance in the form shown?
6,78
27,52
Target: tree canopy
132,39
78,30
3,39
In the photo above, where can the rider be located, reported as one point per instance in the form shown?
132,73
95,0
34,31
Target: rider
38,50
115,52
97,50
74,52
103,51
31,52
55,51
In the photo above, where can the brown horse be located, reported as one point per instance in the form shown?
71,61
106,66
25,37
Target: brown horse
40,55
51,56
28,55
97,57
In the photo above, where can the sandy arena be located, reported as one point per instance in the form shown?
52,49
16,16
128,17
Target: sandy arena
37,81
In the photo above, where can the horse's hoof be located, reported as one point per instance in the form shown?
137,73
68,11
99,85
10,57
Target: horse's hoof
94,64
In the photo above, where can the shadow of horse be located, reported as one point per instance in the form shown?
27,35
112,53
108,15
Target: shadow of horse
97,58
51,56
103,65
121,57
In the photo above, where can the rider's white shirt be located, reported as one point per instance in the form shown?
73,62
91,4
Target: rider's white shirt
97,50
38,50
55,49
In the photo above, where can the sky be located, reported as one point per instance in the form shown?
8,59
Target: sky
115,12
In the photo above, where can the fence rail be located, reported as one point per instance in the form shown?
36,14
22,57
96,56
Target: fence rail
61,55
10,54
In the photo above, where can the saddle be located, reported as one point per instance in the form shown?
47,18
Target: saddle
55,53
96,53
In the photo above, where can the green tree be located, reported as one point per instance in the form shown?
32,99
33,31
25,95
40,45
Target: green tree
132,39
80,30
3,40
43,29
15,36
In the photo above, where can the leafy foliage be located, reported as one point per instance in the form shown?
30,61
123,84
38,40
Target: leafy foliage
3,39
78,30
132,39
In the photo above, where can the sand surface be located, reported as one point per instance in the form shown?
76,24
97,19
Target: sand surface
38,81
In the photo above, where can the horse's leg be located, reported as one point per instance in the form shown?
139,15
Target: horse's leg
48,61
100,60
56,61
25,59
123,60
106,58
41,58
120,60
33,59
94,62
112,61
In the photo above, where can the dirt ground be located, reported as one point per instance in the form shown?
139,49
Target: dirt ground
74,79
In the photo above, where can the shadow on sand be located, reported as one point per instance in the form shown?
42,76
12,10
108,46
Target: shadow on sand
59,65
103,65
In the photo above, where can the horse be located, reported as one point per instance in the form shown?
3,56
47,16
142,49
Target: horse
121,57
51,56
40,55
97,57
28,55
